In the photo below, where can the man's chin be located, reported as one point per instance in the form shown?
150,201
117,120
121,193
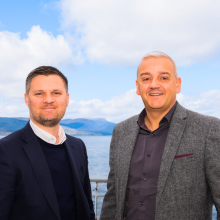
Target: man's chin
156,106
48,121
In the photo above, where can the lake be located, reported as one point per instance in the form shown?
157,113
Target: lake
98,154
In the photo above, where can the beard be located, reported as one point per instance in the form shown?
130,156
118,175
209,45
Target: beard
47,122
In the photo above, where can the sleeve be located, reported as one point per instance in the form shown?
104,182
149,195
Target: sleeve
108,211
212,163
7,184
87,188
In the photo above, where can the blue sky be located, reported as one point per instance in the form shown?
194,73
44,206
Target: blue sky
98,45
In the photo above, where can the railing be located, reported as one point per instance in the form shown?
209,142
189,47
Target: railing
96,195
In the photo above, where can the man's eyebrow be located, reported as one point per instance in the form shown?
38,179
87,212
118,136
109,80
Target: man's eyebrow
41,90
144,74
166,73
38,90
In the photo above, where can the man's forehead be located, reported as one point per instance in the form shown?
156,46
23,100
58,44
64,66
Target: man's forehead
154,63
47,80
47,77
51,82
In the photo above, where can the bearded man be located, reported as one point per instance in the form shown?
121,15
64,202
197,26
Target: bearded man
43,171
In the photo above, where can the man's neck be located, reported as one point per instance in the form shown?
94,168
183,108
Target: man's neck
154,117
51,130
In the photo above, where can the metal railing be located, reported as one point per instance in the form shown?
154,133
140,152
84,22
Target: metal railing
96,195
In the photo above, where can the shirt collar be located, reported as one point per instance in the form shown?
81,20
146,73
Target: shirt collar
167,117
47,137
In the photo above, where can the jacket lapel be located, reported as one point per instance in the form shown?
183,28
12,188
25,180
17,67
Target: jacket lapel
78,185
39,164
175,133
126,150
124,156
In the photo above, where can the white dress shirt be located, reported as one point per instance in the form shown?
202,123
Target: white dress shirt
47,137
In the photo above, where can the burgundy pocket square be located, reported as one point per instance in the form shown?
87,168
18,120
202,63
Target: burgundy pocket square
183,155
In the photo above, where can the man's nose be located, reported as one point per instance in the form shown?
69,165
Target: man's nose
48,98
154,83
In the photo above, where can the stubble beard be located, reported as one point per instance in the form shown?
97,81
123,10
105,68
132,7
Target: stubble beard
42,120
47,122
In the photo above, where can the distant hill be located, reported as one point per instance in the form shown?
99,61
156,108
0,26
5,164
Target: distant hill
97,125
78,126
12,124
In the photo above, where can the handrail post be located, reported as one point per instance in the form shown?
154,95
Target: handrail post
96,195
96,190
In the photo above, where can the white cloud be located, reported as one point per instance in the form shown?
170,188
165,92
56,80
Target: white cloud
207,103
117,108
13,107
20,56
121,32
126,105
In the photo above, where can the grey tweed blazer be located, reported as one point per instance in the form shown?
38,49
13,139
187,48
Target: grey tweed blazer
187,186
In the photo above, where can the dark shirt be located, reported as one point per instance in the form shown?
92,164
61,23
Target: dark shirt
62,177
145,167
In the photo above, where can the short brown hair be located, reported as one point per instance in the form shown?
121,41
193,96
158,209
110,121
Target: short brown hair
45,71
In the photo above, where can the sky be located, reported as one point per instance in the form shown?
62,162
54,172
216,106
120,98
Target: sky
98,45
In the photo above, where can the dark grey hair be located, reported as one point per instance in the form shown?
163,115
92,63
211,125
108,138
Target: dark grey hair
161,54
45,71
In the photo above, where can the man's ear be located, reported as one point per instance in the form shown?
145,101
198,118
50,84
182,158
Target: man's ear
68,99
26,99
137,89
178,85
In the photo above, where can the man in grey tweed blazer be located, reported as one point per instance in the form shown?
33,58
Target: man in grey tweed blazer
164,162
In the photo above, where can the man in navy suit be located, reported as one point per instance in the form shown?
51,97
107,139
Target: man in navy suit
43,171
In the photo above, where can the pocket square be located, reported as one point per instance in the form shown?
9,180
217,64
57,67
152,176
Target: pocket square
183,155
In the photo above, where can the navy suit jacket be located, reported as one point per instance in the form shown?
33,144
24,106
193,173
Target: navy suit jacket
26,187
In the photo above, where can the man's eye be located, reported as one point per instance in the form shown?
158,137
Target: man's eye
57,93
146,79
164,78
38,94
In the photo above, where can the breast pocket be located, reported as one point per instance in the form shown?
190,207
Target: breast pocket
183,155
184,170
